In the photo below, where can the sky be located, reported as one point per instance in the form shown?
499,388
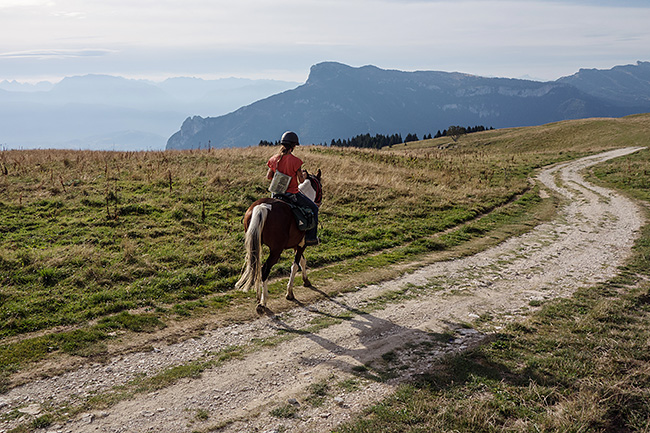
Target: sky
281,39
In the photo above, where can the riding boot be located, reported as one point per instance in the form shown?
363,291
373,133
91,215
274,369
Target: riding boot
312,241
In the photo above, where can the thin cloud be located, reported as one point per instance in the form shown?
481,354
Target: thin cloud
6,4
79,15
56,54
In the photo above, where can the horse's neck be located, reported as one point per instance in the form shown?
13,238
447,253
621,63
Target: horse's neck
307,189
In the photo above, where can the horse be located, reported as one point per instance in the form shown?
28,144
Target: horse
271,222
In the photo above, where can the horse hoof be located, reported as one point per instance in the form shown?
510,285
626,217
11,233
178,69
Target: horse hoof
307,283
290,297
261,309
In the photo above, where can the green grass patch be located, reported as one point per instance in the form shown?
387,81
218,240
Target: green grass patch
284,411
87,342
317,393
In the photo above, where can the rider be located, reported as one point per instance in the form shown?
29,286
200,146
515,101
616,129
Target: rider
286,162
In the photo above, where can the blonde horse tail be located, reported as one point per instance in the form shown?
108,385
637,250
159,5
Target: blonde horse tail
252,272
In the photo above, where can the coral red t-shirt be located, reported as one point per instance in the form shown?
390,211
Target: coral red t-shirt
289,165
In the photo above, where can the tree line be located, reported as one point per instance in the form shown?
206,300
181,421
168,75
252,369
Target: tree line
455,131
378,141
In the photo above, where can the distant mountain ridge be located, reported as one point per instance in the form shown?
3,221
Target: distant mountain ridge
339,101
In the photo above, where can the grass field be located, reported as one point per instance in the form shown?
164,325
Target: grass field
97,244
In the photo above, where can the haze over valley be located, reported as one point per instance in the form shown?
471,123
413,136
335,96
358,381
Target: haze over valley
102,112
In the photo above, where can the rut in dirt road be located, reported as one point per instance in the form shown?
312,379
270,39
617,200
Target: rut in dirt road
590,238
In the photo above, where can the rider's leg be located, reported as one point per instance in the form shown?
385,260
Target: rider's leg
311,236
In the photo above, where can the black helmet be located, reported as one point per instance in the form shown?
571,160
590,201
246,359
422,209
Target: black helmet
290,138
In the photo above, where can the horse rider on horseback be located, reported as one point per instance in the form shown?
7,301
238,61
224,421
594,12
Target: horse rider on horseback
287,163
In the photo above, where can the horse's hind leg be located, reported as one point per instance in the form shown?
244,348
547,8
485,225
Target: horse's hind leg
262,297
263,292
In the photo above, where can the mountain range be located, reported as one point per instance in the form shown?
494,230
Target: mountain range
340,101
103,112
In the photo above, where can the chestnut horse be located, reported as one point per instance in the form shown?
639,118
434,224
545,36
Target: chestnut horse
270,222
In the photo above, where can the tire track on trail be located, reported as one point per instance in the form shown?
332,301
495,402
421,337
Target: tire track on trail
591,236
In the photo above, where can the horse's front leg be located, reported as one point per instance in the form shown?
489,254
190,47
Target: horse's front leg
294,271
303,265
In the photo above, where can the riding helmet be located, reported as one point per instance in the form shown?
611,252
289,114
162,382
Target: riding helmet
290,138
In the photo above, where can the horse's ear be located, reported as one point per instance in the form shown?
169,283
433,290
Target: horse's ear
318,174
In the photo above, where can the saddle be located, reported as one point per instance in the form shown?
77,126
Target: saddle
304,216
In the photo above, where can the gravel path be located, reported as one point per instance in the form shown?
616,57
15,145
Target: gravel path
590,238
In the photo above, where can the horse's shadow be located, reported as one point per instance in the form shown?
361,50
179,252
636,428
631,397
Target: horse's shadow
382,340
379,339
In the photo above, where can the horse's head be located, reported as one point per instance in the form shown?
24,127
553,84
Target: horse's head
312,187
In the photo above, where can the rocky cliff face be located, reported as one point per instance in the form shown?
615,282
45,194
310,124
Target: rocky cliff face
626,86
339,101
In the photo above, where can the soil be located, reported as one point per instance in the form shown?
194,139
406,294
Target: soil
275,388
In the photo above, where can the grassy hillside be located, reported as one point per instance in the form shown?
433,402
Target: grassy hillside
94,244
578,365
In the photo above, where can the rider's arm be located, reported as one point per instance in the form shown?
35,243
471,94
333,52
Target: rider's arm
269,174
300,175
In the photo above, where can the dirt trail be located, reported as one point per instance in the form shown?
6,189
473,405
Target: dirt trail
591,236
